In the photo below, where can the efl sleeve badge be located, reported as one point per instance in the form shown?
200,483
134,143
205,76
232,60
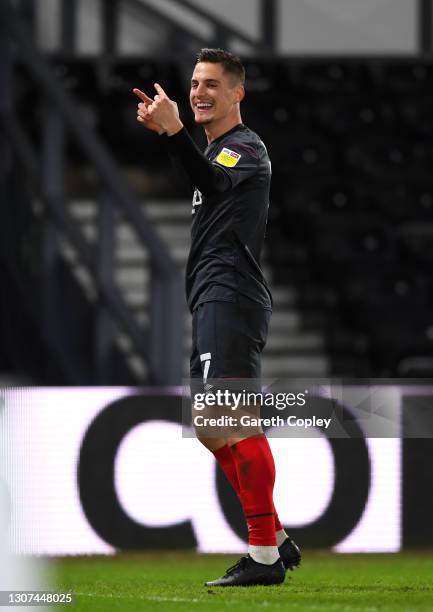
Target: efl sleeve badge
228,158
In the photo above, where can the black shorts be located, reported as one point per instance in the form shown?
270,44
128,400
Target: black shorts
227,340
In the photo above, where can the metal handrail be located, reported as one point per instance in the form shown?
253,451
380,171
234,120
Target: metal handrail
110,21
223,26
29,160
142,7
219,25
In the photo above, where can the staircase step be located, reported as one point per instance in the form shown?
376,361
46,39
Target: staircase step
130,254
170,211
295,342
175,235
83,210
284,321
133,277
295,366
172,234
283,296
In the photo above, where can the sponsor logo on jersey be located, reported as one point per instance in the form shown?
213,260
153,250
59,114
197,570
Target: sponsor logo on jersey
228,158
197,199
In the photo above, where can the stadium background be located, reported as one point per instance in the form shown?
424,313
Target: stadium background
94,236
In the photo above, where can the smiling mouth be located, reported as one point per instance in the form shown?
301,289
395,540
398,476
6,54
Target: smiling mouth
203,106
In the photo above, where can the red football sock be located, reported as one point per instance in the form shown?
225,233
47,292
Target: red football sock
225,458
278,526
256,476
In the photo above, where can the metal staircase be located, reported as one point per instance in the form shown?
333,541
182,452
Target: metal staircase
125,253
293,349
88,357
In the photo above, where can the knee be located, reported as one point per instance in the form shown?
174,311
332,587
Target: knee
212,444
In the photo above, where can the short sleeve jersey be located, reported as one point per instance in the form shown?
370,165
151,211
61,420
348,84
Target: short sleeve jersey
228,228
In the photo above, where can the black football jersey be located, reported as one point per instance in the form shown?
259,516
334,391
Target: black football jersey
228,228
228,220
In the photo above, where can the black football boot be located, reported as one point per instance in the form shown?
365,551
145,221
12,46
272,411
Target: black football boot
290,554
247,572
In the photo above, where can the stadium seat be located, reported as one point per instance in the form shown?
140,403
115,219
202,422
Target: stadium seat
330,76
403,76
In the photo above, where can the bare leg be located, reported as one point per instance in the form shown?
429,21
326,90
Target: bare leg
212,444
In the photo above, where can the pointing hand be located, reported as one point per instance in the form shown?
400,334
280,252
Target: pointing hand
143,116
164,112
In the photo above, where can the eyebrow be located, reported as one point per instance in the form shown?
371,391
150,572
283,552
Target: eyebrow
206,80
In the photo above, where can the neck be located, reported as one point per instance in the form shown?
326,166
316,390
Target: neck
216,130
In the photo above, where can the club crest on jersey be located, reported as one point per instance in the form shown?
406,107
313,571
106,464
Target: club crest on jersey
228,158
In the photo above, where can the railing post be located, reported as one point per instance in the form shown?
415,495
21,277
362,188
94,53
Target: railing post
220,37
6,60
104,329
269,21
175,40
166,329
110,26
68,26
27,9
52,175
6,159
425,27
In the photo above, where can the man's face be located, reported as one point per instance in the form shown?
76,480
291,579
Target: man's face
214,94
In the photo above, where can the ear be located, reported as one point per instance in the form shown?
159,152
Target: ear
240,93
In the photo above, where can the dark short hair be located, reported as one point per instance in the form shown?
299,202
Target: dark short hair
232,65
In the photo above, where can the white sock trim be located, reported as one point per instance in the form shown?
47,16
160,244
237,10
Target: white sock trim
281,536
264,554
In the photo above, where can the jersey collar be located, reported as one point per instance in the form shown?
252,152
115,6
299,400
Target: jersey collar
239,126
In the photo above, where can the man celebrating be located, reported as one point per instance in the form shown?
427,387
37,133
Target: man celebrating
227,294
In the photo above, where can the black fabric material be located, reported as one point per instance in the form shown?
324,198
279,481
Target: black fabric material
201,172
229,216
233,335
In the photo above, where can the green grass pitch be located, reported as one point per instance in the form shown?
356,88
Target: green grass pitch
174,581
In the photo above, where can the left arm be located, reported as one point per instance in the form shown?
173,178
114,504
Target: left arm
163,113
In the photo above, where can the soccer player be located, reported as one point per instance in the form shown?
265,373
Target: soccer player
227,294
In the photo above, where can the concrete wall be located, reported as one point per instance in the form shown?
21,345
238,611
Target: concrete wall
304,26
348,26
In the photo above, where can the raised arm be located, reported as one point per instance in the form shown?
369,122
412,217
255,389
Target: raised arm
162,115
